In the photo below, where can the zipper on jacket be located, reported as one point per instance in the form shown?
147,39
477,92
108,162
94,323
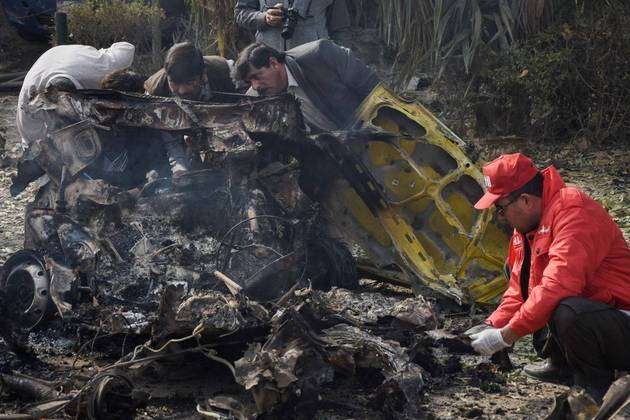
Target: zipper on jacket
527,258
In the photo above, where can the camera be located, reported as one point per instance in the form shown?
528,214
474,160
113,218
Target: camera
290,18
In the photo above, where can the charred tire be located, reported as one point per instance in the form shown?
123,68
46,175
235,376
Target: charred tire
111,397
330,264
25,287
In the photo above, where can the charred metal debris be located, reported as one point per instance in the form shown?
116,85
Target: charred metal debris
229,278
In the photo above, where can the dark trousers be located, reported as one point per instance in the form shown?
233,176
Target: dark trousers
591,338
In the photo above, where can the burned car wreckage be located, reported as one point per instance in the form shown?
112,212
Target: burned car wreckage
245,259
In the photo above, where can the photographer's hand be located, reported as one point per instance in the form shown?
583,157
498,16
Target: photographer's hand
273,16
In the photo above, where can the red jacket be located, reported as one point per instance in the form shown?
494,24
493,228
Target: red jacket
577,250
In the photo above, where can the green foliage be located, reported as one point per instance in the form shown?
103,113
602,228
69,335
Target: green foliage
101,22
576,79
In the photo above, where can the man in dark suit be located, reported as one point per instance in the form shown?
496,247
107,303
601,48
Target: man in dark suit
329,81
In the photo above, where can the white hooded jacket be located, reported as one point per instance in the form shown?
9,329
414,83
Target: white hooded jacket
85,66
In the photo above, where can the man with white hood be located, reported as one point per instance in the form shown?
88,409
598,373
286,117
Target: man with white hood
65,67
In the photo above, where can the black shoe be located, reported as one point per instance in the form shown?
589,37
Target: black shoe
546,371
27,172
17,186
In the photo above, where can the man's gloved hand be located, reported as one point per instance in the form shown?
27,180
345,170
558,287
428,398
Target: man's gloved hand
488,341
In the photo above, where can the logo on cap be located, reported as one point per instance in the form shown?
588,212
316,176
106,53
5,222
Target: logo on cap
504,175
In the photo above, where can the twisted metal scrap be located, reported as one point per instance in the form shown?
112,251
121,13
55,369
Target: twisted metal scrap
277,115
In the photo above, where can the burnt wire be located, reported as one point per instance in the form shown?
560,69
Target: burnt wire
206,350
158,353
124,343
80,351
256,245
268,265
284,298
231,246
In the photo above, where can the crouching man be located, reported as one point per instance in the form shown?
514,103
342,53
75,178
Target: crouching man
65,68
187,74
190,75
569,270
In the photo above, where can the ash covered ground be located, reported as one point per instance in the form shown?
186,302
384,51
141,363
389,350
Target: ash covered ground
457,384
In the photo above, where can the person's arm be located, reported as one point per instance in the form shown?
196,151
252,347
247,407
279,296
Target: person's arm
218,74
579,245
156,84
510,304
247,15
176,151
512,298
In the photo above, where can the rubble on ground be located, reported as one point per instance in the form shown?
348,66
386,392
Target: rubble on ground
222,286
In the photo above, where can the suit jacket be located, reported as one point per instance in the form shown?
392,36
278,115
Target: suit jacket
217,72
333,78
319,19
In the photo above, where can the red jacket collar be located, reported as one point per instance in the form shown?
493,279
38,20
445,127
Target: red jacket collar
552,183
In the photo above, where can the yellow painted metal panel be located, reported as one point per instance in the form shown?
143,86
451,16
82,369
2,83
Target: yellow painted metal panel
425,220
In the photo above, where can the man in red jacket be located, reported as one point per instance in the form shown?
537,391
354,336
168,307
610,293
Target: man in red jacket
569,270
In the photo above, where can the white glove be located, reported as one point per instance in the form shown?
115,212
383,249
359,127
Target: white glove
476,329
488,341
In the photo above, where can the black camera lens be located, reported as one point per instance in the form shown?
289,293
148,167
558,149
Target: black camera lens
289,22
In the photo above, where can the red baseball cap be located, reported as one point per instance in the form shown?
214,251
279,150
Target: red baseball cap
504,175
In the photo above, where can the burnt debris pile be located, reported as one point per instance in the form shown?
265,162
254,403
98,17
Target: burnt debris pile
226,285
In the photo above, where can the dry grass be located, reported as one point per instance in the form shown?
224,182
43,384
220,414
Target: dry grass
212,27
429,35
101,22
